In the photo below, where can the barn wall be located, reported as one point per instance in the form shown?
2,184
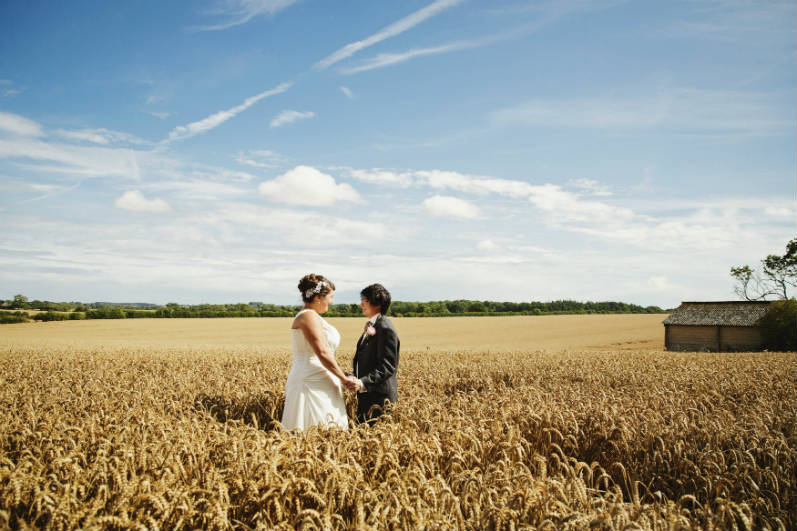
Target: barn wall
692,337
697,338
740,338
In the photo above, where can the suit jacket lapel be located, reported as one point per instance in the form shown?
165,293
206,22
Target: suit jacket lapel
363,337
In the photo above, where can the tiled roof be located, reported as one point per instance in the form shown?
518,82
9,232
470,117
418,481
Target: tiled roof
734,313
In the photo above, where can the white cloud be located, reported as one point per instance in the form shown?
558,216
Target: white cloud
300,227
214,120
289,116
7,89
487,246
254,163
259,158
161,115
387,59
779,212
473,184
87,135
378,176
658,286
675,109
305,185
708,227
347,91
19,125
733,20
100,136
569,207
591,187
242,11
450,207
198,189
87,161
134,201
390,31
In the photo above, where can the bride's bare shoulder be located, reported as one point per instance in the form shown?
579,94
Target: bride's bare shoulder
303,319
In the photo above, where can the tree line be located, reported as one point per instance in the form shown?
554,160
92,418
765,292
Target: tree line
59,311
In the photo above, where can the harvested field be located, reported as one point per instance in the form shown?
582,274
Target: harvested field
181,435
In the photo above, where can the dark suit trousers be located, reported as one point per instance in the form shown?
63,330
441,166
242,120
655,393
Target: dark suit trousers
370,406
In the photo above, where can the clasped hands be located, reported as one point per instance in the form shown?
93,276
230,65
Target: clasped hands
352,383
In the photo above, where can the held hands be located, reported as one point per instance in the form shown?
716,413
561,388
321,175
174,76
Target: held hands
352,383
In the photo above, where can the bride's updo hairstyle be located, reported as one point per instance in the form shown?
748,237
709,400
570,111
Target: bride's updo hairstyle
313,285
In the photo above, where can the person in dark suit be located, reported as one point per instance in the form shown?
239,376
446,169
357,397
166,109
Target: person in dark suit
376,358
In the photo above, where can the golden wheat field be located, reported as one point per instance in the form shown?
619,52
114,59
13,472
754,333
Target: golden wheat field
561,422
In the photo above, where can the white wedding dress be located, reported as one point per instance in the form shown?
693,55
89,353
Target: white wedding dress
313,395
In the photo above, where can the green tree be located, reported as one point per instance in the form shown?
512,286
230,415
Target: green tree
779,326
21,301
777,277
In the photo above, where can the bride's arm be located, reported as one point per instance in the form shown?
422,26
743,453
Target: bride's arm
310,325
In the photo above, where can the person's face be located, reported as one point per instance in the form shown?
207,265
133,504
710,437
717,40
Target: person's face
368,309
325,301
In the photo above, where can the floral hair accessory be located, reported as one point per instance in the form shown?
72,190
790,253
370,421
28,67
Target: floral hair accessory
315,290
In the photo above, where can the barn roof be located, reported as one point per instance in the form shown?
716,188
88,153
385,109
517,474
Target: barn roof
728,313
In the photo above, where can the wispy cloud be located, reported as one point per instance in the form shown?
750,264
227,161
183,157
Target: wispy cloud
258,158
161,115
392,30
291,226
17,125
198,190
214,120
289,116
735,20
548,13
682,109
242,11
85,161
703,226
591,187
8,89
134,201
441,180
100,136
382,177
347,91
387,59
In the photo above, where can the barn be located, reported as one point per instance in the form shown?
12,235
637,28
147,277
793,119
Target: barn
715,326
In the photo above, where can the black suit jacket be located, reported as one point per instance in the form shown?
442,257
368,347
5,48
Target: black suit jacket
376,361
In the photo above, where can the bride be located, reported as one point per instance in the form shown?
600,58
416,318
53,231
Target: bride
313,392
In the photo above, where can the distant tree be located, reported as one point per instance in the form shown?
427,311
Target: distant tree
778,276
13,317
477,306
457,306
20,301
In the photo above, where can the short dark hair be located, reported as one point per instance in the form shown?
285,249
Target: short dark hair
377,295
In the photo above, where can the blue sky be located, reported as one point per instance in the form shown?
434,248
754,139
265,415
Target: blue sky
218,150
